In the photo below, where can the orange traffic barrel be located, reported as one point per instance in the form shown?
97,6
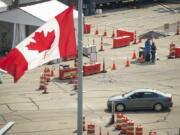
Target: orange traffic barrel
91,129
130,128
139,130
119,117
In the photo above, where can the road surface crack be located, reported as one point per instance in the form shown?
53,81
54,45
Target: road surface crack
3,118
38,108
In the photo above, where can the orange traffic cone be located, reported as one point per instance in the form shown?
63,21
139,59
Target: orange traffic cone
100,132
84,124
101,40
140,40
127,63
52,72
114,66
134,55
48,75
76,82
71,79
41,85
141,60
113,34
75,85
135,41
105,33
104,67
101,47
177,31
107,132
96,32
45,85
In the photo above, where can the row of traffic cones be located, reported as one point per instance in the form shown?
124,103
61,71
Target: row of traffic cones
127,64
104,33
91,128
74,80
45,79
135,35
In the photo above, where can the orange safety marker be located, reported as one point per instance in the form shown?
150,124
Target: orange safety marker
119,117
91,129
101,47
172,54
130,128
134,55
107,132
71,79
114,66
135,41
100,131
96,32
104,67
127,63
41,85
139,130
141,60
45,85
52,72
177,31
48,75
75,85
84,124
140,40
113,34
152,133
124,125
76,82
105,32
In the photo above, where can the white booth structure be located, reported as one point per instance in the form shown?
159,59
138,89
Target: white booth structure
18,23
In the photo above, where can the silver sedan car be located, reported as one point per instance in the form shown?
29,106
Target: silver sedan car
141,99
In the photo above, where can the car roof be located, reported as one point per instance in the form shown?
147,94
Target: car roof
145,90
148,90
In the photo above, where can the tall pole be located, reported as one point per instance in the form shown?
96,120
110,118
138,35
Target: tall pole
80,73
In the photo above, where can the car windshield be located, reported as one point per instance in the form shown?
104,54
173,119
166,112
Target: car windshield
128,93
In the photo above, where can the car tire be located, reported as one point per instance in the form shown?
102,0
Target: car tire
158,107
120,107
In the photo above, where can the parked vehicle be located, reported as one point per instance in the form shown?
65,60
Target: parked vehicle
141,99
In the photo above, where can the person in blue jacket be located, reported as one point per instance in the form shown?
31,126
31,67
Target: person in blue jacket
147,50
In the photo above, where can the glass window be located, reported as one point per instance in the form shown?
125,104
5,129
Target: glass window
137,95
150,95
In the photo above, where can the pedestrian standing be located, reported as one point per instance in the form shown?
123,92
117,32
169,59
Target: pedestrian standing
153,52
147,50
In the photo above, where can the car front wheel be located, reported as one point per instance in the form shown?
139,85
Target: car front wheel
120,107
158,107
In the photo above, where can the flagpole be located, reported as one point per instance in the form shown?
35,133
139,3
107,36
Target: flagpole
80,73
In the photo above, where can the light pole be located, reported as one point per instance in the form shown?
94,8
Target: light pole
80,71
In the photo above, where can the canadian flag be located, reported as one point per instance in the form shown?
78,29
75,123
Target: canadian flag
55,39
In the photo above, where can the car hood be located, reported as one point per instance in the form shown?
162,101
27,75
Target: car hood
115,98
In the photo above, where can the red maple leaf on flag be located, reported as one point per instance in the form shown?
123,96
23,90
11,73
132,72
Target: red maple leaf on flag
42,42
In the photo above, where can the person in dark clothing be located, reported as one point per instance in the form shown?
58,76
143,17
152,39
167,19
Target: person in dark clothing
147,50
153,52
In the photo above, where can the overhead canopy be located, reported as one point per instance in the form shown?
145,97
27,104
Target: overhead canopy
36,14
152,35
3,6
